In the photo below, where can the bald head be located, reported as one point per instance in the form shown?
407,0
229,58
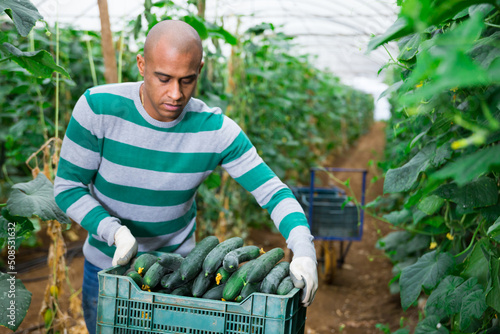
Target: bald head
177,36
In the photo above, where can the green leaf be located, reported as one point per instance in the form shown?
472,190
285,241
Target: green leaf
468,167
224,34
455,298
39,63
457,70
440,302
418,243
481,10
14,301
347,182
35,198
23,13
403,178
260,28
476,264
479,193
461,14
491,213
427,13
425,273
137,26
494,230
473,307
493,295
398,217
410,49
198,24
443,64
23,224
392,88
398,29
434,221
213,181
392,240
431,204
443,154
430,325
418,216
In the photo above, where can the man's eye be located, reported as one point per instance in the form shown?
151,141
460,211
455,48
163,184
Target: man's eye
187,81
163,80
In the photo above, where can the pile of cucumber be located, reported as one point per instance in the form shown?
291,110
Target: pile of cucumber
215,270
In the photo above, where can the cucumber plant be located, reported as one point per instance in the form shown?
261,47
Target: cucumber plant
443,162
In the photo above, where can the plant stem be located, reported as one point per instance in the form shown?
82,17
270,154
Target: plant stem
395,62
42,115
120,58
57,73
492,25
6,175
471,242
91,63
38,92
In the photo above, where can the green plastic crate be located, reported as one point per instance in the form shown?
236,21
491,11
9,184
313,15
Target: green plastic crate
125,309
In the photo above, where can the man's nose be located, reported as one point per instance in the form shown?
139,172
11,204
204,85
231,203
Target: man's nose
175,92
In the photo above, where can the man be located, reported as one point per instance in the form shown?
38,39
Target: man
134,155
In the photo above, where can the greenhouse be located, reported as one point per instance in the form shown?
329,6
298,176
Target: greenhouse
269,167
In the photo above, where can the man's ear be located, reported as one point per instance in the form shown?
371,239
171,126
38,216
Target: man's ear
201,66
141,64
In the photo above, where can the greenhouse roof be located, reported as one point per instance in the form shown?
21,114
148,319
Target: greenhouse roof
334,32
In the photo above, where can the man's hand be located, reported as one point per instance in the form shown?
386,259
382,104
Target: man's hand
126,246
304,275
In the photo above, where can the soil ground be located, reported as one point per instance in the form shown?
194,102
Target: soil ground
356,301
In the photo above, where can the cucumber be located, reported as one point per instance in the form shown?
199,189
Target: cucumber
247,290
201,284
214,259
128,271
165,291
236,282
153,275
136,277
285,286
164,279
273,279
233,259
214,293
264,264
221,276
184,290
144,262
173,281
171,261
193,262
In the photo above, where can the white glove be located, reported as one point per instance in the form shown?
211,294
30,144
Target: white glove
304,276
126,246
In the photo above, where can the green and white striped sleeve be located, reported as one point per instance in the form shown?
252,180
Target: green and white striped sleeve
241,160
79,161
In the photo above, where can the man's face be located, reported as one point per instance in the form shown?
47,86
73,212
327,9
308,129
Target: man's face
169,81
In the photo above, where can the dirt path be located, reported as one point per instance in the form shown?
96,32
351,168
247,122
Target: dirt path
359,297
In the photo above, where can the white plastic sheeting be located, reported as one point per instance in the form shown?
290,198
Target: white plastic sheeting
334,32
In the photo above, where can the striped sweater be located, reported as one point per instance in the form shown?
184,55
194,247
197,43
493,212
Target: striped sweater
119,166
